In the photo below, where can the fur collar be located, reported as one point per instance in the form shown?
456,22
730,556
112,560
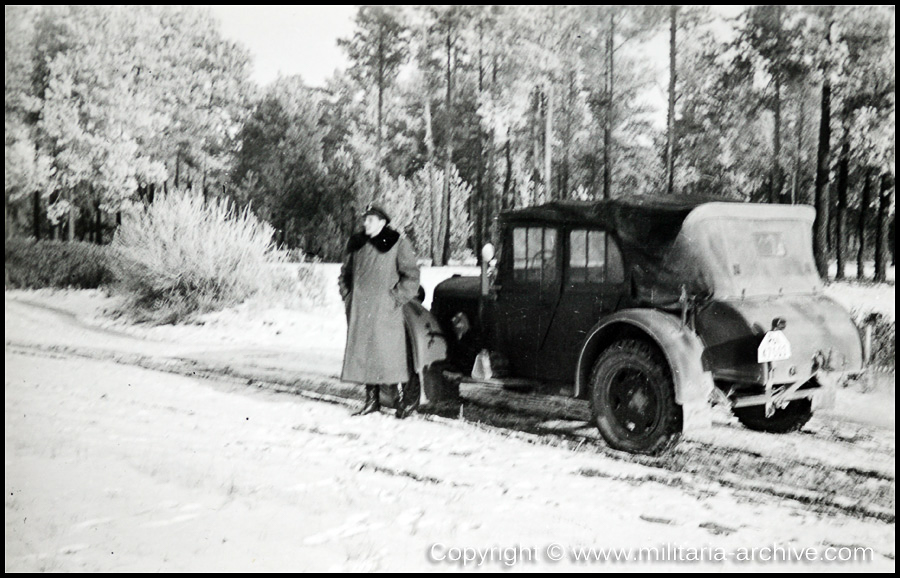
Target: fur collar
383,241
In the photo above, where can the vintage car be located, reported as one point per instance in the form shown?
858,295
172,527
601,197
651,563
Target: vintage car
651,307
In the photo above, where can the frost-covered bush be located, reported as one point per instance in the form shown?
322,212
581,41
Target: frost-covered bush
884,334
34,264
182,256
409,202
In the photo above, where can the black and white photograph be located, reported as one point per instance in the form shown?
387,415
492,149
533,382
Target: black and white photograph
450,288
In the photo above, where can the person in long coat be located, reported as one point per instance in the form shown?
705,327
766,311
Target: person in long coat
378,276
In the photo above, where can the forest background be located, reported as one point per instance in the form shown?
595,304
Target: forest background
450,115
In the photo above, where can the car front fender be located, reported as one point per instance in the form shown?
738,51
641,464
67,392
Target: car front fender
681,347
427,342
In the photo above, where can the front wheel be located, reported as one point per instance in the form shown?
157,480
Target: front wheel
633,398
436,387
788,419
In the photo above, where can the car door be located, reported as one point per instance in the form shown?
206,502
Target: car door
593,283
527,293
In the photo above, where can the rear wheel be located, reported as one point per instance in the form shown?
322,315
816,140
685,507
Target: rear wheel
633,398
788,419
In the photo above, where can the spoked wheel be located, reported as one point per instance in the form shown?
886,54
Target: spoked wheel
633,398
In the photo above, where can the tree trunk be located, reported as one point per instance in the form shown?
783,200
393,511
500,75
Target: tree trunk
435,216
6,237
448,161
445,207
608,121
507,180
777,174
885,194
536,143
434,205
70,235
548,143
670,131
6,215
567,140
795,192
841,215
479,175
820,225
378,151
829,232
98,224
36,215
776,177
490,201
864,203
432,193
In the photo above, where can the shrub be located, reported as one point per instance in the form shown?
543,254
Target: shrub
884,352
34,264
182,256
884,333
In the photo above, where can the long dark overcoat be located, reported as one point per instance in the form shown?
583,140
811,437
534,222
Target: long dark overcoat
379,275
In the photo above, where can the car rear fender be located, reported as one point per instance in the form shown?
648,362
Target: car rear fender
681,347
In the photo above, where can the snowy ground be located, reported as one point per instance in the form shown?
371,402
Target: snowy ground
113,467
863,298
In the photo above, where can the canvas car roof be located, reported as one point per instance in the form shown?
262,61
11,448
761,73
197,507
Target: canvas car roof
631,217
664,239
647,218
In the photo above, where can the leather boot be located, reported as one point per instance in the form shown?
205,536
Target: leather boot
409,399
373,404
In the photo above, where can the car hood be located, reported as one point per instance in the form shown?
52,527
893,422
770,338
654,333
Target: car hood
458,287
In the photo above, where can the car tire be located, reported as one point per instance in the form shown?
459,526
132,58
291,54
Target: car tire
633,398
437,388
788,419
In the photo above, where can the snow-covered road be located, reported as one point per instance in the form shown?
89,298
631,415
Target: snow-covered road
115,467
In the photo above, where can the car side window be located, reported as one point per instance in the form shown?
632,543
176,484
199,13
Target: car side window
594,257
534,254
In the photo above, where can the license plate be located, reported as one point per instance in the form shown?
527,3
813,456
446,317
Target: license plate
774,347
